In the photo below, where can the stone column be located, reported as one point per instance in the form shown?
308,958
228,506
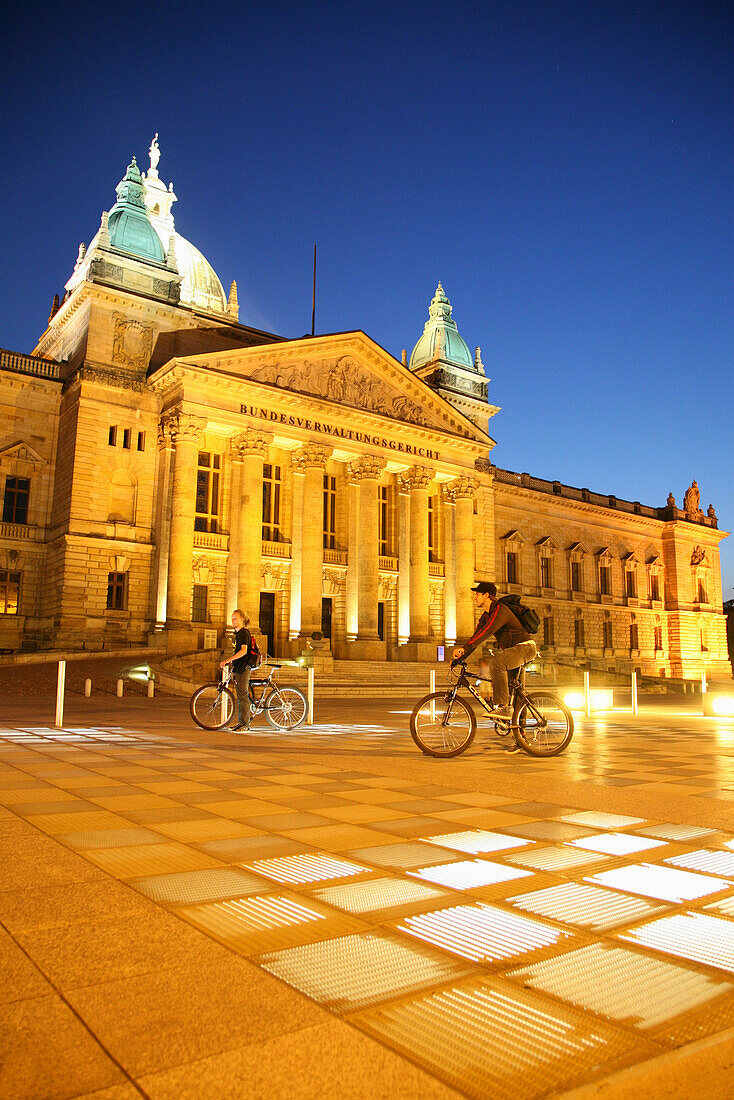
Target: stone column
463,490
366,473
251,447
448,504
310,461
163,519
419,479
186,432
403,562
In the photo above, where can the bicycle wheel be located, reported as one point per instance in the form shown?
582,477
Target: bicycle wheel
441,727
212,707
544,725
286,708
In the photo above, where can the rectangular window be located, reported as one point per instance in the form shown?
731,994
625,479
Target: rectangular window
547,630
141,441
381,621
207,493
702,595
432,529
112,437
126,438
578,633
546,573
634,639
631,583
329,512
605,580
576,585
658,637
654,586
271,503
15,502
200,604
382,519
116,591
607,635
9,592
511,568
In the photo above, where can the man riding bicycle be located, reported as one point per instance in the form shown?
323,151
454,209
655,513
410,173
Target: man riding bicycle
512,640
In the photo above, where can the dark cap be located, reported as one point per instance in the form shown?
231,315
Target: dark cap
485,587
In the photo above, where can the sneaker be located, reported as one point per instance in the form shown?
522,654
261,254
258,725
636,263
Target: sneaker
238,727
513,747
502,712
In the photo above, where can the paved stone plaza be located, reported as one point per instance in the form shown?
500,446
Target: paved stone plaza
329,913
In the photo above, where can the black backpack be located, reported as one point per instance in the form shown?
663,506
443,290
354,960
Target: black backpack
254,657
527,616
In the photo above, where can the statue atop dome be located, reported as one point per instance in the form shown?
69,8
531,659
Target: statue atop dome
155,154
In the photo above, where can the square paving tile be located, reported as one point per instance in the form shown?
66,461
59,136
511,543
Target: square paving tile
210,884
150,859
245,848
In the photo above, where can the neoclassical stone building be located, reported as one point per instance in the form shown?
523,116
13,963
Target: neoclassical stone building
162,463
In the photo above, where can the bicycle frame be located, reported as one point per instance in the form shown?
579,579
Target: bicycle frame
516,685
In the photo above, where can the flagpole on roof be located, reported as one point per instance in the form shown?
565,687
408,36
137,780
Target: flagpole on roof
313,299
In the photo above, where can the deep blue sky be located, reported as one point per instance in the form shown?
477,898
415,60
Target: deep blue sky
565,168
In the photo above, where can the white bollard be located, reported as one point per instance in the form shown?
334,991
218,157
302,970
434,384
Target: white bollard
587,693
119,689
60,684
311,685
87,688
704,683
151,688
634,692
432,688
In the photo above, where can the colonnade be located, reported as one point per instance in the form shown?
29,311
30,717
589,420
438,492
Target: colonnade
181,438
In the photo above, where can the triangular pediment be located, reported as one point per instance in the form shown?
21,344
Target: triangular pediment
513,536
21,453
349,370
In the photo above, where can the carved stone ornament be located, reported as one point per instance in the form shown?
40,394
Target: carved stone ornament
461,488
333,582
311,456
250,442
274,575
388,587
345,382
698,557
175,427
119,563
21,460
203,570
132,342
417,477
367,467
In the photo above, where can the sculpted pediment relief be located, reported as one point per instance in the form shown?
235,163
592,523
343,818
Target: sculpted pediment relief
346,381
21,454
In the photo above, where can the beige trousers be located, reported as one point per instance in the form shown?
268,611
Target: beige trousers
496,668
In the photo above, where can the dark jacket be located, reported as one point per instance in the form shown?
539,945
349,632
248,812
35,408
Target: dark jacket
501,623
240,640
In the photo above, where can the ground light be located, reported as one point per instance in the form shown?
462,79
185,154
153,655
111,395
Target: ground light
600,699
717,705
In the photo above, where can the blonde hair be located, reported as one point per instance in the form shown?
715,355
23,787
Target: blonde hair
243,615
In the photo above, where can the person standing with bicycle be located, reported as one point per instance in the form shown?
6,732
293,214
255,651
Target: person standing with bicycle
242,642
513,641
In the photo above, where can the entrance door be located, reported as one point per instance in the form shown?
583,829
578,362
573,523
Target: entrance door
381,621
326,608
267,619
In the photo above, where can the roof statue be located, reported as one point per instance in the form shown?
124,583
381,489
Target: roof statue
155,154
692,500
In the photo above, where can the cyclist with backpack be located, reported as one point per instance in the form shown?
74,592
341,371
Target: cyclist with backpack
512,625
245,649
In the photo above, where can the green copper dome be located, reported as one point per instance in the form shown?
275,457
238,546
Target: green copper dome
440,340
128,222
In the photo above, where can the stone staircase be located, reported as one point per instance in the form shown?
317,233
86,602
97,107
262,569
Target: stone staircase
333,679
